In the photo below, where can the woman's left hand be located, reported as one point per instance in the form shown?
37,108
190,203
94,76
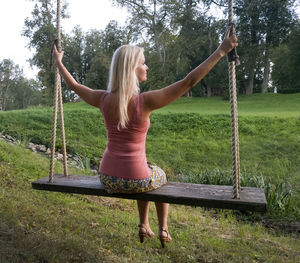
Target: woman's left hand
229,43
57,56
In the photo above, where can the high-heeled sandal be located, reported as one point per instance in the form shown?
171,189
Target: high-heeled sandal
145,231
164,239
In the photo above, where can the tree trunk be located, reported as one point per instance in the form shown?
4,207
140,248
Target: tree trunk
208,90
188,94
251,69
209,82
156,37
249,88
264,87
5,96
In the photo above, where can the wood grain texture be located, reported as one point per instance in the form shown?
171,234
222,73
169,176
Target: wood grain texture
213,196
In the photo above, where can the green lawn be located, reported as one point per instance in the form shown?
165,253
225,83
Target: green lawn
268,105
272,105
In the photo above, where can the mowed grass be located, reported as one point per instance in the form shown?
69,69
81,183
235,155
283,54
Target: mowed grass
261,105
269,105
39,226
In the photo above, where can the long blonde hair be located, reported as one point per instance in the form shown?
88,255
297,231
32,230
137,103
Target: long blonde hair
123,80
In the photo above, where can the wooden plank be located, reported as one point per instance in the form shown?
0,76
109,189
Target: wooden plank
214,196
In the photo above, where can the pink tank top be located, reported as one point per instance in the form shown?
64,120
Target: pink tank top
125,154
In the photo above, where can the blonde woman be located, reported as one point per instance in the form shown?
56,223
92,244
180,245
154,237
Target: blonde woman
126,113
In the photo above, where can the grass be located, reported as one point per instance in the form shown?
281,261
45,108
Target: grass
266,105
190,139
189,143
39,226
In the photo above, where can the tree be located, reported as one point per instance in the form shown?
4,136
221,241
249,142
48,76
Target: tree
259,30
250,38
277,18
98,51
16,92
198,36
176,37
24,93
9,73
73,46
41,32
286,68
148,22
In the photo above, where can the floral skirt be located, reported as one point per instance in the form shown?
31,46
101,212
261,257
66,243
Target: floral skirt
129,186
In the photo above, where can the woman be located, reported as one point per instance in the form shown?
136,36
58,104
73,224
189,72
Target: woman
124,166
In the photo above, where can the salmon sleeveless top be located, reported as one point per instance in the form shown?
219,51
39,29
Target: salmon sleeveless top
125,154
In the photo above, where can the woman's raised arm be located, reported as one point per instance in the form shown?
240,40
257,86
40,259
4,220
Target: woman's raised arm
159,98
90,96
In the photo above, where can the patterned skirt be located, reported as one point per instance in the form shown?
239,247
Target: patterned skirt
129,186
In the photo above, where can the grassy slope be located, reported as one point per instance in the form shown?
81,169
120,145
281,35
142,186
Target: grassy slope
192,142
51,227
38,226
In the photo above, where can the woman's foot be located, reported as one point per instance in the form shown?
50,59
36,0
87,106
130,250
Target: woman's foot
164,236
145,231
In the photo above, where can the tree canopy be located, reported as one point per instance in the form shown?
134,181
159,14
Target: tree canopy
177,35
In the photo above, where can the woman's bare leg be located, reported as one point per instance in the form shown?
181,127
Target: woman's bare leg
143,207
144,227
162,210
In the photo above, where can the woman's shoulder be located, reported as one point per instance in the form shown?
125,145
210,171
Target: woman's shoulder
103,96
141,97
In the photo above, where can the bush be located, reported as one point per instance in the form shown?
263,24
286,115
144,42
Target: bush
289,90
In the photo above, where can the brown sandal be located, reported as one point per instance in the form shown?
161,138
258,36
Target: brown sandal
145,231
164,239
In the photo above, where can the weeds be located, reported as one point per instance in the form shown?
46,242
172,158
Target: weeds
279,195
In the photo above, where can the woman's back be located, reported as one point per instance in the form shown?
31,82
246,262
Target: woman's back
124,155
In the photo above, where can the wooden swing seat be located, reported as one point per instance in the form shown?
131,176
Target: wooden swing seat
212,196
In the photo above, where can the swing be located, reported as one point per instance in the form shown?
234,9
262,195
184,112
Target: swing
212,196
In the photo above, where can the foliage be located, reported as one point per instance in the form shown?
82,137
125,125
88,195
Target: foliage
16,92
260,30
99,48
285,74
177,35
41,33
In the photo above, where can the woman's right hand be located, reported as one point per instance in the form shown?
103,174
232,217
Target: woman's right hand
228,43
57,56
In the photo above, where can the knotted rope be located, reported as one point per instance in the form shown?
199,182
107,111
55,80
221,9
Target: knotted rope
58,97
233,60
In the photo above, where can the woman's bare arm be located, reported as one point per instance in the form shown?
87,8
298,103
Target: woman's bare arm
90,96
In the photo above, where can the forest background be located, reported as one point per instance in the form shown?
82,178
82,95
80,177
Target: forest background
177,35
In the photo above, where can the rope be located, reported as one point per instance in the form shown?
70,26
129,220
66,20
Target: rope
58,96
234,116
54,123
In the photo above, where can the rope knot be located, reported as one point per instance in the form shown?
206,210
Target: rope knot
55,42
